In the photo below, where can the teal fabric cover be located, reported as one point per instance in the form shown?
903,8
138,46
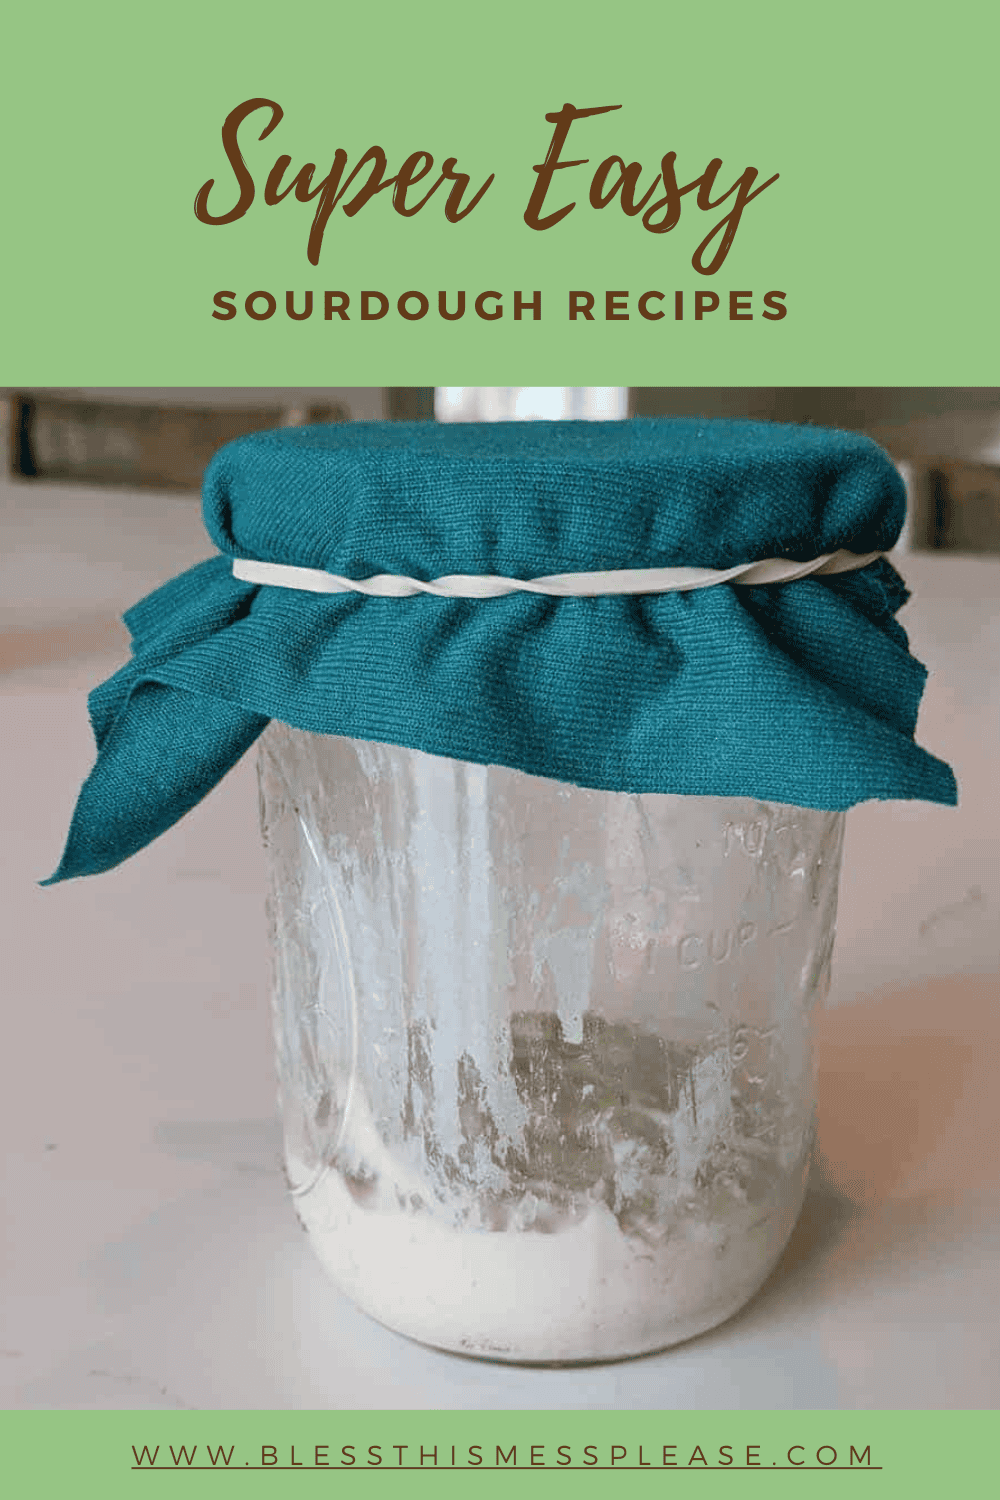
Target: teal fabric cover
802,692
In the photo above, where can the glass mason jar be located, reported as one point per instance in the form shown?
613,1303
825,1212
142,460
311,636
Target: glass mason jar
545,1054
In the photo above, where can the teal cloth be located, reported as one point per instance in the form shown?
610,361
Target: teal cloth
801,692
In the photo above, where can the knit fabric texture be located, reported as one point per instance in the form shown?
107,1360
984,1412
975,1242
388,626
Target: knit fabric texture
801,692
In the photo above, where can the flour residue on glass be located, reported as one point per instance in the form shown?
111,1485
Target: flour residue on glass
544,1054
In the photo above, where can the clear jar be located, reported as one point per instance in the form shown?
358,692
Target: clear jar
545,1054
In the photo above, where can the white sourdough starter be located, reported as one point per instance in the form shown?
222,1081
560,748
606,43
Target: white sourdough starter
587,1290
543,1050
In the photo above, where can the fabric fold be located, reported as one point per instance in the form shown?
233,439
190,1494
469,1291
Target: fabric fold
804,693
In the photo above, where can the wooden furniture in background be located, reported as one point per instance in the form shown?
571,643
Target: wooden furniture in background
964,510
139,447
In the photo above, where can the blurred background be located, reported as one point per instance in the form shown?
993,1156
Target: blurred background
152,1260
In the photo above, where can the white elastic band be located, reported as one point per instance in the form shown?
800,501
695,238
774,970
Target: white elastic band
563,585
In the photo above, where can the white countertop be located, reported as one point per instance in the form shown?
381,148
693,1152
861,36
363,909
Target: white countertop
151,1259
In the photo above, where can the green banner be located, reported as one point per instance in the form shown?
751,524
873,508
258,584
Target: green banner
364,1454
596,194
